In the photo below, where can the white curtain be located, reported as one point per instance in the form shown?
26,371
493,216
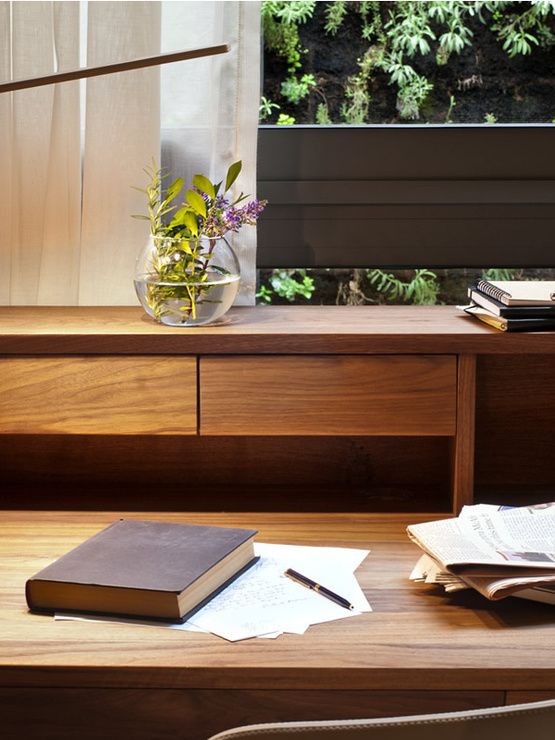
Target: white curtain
39,154
210,106
66,233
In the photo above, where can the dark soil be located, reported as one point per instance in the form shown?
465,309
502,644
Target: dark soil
482,79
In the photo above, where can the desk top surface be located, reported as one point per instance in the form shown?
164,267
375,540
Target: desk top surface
261,329
417,637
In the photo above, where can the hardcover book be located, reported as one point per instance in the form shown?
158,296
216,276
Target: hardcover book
147,569
509,324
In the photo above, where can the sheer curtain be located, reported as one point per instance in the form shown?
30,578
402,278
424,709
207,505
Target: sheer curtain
210,106
66,235
39,156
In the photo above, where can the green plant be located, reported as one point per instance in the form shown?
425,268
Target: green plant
499,273
412,97
280,21
452,104
295,90
184,236
490,118
519,32
401,34
322,115
285,120
355,111
335,14
288,284
421,289
266,108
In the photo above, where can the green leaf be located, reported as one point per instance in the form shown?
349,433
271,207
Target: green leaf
204,185
179,216
174,188
196,202
232,174
190,221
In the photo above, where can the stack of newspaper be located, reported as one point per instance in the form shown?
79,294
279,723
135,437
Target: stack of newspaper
499,551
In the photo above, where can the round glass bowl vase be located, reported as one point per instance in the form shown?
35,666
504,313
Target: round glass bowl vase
187,282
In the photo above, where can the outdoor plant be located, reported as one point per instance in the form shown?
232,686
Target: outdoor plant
288,284
185,228
402,39
422,288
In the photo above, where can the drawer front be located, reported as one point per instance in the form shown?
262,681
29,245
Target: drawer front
328,395
98,395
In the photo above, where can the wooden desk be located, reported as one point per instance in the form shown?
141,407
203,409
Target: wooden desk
419,651
375,404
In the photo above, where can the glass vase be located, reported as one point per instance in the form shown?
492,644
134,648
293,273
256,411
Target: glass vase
187,282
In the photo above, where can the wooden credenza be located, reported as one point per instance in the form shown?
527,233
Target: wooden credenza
289,377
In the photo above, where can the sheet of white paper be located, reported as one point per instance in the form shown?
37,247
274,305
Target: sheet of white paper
263,600
347,557
67,617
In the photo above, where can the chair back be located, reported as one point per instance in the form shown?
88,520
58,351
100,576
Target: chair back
534,721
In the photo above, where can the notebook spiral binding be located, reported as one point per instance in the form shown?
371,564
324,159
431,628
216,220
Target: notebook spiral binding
492,290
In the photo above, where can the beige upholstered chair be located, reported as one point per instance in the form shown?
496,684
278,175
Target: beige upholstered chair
534,721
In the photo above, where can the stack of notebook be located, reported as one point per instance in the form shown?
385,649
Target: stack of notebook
513,305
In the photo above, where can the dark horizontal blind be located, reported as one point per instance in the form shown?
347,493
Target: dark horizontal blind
407,196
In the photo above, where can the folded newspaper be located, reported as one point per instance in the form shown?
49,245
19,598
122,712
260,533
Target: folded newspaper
499,551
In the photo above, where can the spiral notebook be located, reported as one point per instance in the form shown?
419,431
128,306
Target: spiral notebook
519,292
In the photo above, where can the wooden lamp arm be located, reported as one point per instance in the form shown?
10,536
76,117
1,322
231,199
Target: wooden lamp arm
82,72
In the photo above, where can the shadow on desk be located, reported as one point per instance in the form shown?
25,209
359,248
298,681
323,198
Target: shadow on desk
498,615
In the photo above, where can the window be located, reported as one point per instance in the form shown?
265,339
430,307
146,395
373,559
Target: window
440,186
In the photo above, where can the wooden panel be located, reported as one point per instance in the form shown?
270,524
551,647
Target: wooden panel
98,395
142,714
463,444
178,473
515,409
524,697
328,395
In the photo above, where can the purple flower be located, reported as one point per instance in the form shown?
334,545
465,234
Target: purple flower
251,211
232,219
221,203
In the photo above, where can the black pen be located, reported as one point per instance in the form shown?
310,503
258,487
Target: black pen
304,581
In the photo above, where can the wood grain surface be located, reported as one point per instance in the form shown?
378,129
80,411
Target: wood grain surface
177,473
463,443
98,395
418,651
416,636
166,714
324,395
261,329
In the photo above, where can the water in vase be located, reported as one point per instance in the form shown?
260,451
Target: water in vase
193,304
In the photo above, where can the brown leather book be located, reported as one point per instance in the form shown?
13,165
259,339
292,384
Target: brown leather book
153,570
